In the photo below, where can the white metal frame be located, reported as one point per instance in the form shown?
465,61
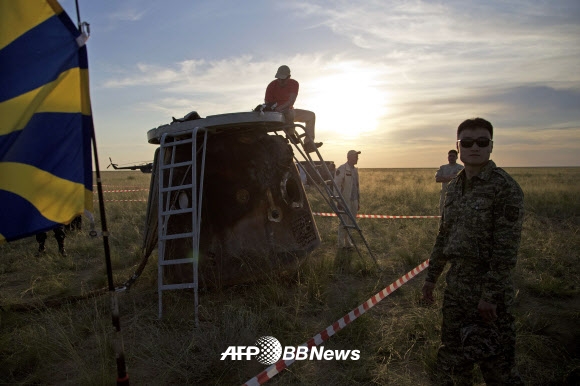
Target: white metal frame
167,209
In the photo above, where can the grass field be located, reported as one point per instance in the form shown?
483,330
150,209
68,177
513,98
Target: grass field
71,342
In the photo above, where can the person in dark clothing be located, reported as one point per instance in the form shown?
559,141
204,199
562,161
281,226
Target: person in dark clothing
59,235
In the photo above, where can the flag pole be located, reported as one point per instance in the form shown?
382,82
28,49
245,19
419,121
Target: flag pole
78,14
122,375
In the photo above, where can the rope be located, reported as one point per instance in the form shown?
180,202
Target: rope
372,215
325,334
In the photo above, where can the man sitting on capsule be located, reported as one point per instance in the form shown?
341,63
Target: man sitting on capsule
283,92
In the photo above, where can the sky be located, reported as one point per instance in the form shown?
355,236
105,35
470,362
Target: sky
390,78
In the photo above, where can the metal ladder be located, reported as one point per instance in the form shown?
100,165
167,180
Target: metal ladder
168,195
331,194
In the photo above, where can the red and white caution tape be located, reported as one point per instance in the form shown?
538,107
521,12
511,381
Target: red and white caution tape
120,186
143,200
313,213
125,191
372,215
277,367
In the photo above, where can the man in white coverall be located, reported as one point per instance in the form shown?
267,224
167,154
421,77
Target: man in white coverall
346,179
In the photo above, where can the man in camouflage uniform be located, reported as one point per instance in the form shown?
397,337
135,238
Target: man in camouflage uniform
479,235
346,179
445,174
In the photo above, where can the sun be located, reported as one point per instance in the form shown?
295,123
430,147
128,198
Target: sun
347,103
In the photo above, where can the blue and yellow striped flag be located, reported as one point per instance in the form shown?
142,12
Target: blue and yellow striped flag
45,119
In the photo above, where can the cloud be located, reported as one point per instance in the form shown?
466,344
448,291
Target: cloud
471,39
381,23
234,82
539,97
209,87
181,76
132,10
428,66
421,49
532,106
415,112
529,107
127,15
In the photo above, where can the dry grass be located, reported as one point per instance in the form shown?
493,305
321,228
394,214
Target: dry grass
72,342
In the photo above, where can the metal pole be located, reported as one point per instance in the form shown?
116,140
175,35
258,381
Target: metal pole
122,376
78,14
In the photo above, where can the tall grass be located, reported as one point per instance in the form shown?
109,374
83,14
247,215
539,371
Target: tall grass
71,343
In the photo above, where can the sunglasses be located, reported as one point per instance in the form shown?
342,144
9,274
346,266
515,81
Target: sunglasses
481,142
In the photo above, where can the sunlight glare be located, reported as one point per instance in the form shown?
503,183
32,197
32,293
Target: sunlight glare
347,102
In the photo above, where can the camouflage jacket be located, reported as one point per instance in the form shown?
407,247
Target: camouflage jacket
479,234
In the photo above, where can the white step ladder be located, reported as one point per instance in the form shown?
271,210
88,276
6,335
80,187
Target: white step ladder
169,193
330,193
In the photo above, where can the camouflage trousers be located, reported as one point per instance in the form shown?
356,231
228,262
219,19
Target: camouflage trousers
467,340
